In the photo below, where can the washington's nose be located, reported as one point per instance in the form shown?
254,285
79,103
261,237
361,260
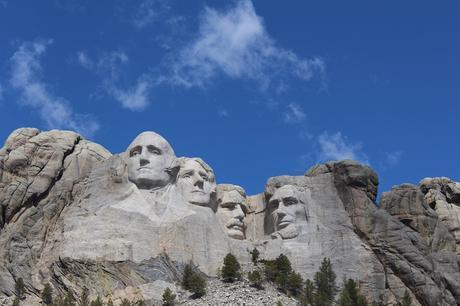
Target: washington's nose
143,160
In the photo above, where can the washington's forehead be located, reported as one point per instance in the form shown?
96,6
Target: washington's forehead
150,138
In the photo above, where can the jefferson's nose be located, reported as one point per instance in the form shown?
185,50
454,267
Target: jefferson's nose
198,181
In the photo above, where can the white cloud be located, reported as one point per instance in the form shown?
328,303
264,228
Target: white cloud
393,158
26,77
223,113
150,11
234,43
134,98
108,67
338,147
84,60
294,113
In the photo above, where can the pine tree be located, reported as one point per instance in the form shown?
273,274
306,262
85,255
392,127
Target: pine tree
168,297
19,289
255,278
294,283
84,298
97,302
47,294
140,303
270,270
325,286
231,268
197,285
255,256
350,295
188,273
16,302
308,293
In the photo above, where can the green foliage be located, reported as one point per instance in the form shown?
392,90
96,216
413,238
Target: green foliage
231,268
16,302
47,294
97,302
198,286
140,303
168,297
279,303
406,300
193,282
270,270
308,293
110,302
325,286
84,298
255,256
255,277
20,289
188,273
294,283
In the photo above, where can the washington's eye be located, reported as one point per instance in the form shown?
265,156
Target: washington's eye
228,205
274,204
135,151
290,201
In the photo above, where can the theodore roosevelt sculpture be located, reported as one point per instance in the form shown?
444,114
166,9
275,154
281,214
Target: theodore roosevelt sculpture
231,209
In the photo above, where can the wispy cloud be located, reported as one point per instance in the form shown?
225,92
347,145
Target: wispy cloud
294,113
393,158
109,67
338,147
150,11
26,77
223,113
235,44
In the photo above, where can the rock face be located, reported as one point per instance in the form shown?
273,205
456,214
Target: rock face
124,225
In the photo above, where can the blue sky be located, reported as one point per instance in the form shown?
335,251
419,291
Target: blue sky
257,89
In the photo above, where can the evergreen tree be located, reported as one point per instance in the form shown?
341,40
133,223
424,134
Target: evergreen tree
140,303
325,284
231,268
16,302
308,294
270,270
197,285
283,264
84,298
350,295
168,297
97,302
255,278
279,303
20,289
110,302
47,294
255,256
294,283
188,273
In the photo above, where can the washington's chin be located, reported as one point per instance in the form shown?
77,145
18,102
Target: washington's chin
235,233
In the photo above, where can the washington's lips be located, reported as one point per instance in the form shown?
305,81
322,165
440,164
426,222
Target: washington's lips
198,191
144,168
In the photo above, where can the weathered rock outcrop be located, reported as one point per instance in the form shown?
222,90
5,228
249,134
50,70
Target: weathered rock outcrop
124,225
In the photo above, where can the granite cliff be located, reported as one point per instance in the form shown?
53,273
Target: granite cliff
74,215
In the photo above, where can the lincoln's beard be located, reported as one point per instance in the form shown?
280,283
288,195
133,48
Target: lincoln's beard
289,232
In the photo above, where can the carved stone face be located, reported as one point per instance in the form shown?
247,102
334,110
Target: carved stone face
287,211
195,182
231,210
149,158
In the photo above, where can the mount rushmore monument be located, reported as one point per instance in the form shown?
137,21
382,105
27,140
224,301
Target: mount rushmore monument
74,215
